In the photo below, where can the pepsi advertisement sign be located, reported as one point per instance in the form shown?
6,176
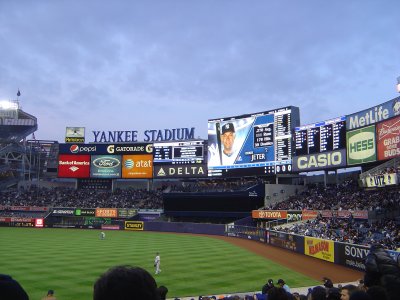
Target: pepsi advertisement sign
106,149
82,149
105,166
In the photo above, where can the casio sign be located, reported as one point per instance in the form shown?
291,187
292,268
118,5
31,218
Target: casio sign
321,160
106,162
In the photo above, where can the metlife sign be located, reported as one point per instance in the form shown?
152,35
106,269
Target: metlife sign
361,145
320,161
180,171
374,114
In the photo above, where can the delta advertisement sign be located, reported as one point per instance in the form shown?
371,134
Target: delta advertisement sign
361,146
74,166
180,171
388,139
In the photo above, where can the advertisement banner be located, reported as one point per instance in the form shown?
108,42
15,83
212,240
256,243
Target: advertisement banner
106,149
39,223
180,171
105,166
351,255
318,248
137,166
80,149
388,138
269,214
361,146
320,161
134,225
74,166
309,214
381,180
106,212
137,148
126,212
294,215
60,211
75,135
287,241
374,114
85,212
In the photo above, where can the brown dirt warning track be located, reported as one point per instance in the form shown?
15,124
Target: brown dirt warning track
310,266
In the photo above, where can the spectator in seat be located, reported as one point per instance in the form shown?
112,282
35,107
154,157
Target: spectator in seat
125,283
10,289
347,291
382,270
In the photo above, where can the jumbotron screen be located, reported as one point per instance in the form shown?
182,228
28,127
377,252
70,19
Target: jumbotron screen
184,152
320,137
252,144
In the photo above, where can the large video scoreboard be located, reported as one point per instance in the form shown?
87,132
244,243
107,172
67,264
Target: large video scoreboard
252,144
320,145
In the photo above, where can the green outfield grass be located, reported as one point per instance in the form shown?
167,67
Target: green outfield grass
70,260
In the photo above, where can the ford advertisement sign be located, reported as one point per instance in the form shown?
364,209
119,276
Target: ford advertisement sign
105,166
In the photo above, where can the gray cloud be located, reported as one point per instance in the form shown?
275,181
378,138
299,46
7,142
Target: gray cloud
167,64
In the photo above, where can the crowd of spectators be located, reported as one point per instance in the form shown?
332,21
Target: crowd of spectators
345,196
67,197
385,231
214,185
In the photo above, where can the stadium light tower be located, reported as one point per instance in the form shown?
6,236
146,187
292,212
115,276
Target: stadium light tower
398,84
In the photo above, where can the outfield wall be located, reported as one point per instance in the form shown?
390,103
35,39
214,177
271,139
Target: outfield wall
348,255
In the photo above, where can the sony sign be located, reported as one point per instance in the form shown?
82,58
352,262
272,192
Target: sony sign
320,161
355,251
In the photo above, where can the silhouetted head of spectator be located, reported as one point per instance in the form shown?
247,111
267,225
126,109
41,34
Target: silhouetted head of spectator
162,292
318,293
10,289
360,295
327,282
377,292
125,283
333,294
277,293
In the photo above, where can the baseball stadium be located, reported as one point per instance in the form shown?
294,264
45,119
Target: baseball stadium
264,207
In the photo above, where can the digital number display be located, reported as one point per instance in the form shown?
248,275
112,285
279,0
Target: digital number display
320,137
187,152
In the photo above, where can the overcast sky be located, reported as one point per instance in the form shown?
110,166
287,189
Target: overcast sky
137,65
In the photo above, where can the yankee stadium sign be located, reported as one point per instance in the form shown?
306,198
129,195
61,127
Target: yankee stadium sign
121,136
